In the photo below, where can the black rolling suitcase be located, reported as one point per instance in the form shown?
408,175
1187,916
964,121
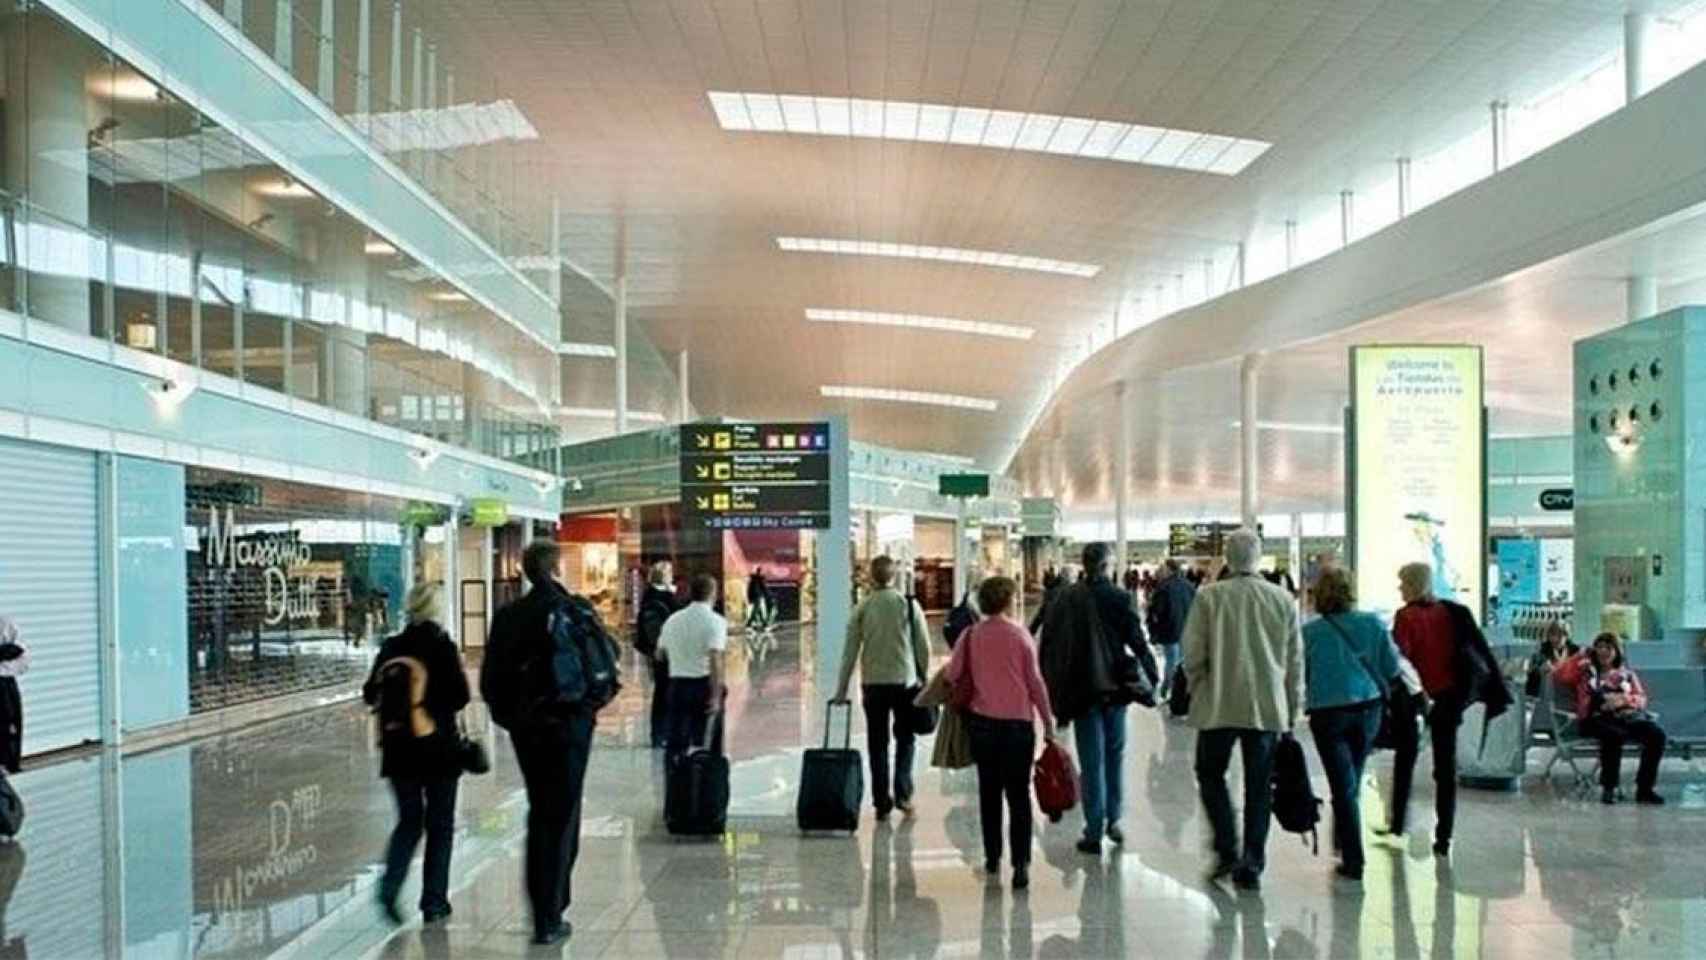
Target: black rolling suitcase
696,790
832,782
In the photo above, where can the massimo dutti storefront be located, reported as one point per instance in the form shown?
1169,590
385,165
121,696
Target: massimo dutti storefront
292,587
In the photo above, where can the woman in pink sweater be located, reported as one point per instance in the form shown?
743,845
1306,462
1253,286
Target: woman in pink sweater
999,659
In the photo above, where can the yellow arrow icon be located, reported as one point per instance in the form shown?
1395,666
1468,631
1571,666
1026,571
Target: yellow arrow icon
702,441
700,471
704,503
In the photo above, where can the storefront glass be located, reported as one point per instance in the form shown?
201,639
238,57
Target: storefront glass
290,586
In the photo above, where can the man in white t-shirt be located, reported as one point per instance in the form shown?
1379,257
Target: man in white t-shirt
693,641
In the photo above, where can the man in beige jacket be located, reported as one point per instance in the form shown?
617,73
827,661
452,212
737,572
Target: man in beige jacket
889,643
1244,667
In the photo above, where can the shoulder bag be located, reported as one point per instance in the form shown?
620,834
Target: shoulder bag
1390,710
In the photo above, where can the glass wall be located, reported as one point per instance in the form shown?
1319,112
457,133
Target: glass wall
291,587
131,216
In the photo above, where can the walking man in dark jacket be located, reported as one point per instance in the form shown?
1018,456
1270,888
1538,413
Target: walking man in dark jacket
1091,637
657,605
1168,608
552,741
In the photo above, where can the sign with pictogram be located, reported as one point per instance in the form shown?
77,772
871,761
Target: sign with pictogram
759,476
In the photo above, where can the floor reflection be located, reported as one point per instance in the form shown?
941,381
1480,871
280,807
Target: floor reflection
265,842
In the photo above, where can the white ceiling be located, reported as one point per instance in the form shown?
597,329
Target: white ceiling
652,186
1183,419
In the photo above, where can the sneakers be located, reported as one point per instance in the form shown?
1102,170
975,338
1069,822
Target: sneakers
1021,878
1247,880
1116,834
1649,798
1090,847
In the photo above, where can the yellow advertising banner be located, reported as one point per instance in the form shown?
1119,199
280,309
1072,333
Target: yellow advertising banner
1418,471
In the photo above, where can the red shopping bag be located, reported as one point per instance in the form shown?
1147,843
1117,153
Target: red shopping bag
1056,781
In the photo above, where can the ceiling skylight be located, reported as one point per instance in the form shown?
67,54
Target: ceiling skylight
946,324
586,350
978,127
606,413
909,396
982,258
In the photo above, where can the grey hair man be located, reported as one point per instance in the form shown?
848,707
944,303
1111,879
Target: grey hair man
1244,664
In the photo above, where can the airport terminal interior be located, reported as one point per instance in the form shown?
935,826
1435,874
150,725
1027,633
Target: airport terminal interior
673,373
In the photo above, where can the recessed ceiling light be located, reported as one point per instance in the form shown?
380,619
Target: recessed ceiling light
586,350
907,251
606,413
980,127
448,296
379,248
1283,427
946,324
123,86
909,396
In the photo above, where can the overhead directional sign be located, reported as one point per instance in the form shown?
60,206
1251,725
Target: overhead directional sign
760,476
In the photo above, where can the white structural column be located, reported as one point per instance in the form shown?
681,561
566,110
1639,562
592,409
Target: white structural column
1500,118
364,57
556,275
1403,187
622,354
234,12
1294,550
327,76
396,101
1347,216
961,574
1122,476
1241,264
1636,28
284,34
685,401
431,79
1290,244
1249,431
1641,297
1208,278
417,93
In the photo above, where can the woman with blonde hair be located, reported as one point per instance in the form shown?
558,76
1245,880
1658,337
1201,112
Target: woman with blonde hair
417,686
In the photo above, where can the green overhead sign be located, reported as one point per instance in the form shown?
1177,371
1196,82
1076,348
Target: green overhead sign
488,512
963,484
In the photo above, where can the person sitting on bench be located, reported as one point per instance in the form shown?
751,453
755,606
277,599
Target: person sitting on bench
1612,705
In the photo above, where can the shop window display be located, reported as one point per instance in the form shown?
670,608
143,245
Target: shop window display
291,587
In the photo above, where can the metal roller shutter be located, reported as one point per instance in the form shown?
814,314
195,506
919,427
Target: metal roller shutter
49,586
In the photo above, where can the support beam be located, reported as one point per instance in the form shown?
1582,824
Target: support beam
1290,244
284,35
1240,264
1637,28
1249,432
1641,298
1122,477
364,57
685,401
396,101
622,354
1499,116
1403,187
327,75
1347,216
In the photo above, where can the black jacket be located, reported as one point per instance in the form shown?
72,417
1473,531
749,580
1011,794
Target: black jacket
1168,608
1092,644
1478,675
521,632
656,606
446,694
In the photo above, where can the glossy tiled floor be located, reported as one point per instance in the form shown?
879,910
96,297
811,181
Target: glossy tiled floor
263,844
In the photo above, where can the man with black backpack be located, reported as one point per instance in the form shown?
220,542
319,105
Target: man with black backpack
550,667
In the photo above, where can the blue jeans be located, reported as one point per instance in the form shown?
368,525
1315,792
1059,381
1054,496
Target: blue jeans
1170,661
1344,736
1100,735
1214,755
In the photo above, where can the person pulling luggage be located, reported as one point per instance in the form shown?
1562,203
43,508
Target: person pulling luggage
889,644
692,644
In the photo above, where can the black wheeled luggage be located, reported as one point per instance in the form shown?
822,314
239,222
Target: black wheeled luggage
832,782
696,790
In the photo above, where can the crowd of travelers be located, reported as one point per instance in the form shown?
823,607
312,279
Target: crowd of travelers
1236,660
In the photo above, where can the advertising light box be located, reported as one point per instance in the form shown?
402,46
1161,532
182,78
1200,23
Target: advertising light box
1418,471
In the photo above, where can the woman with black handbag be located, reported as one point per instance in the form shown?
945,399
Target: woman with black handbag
417,687
1350,667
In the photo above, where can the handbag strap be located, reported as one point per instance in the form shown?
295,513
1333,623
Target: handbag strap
1384,688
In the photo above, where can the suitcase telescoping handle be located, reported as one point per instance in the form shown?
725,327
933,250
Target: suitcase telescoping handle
829,720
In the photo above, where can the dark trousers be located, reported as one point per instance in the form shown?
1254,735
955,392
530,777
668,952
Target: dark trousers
1003,751
427,806
553,765
1612,733
1442,722
1214,755
660,703
1343,737
688,698
886,705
